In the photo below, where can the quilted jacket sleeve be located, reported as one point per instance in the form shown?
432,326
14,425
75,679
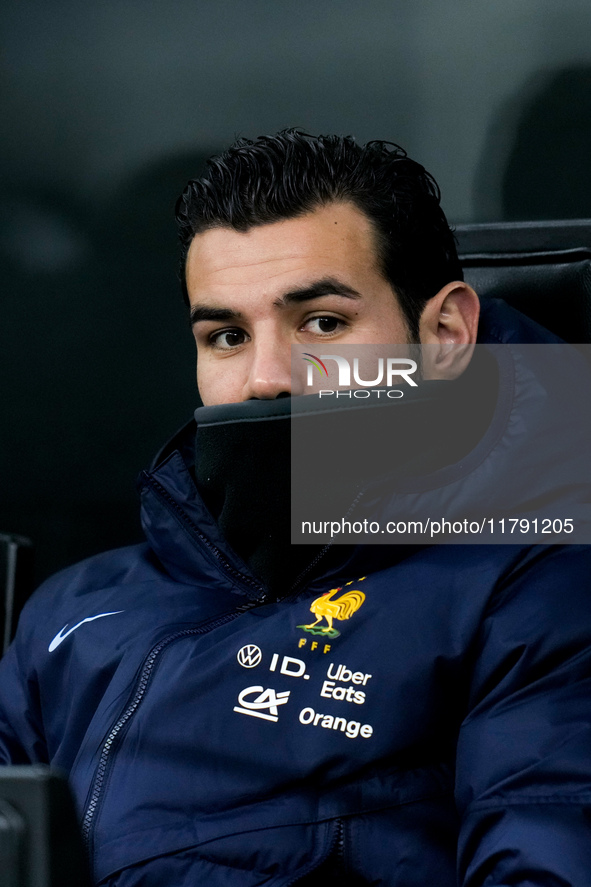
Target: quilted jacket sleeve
524,756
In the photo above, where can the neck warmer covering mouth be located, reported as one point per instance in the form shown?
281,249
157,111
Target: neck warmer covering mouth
243,463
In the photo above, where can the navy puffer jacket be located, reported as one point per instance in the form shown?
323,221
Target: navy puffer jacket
426,722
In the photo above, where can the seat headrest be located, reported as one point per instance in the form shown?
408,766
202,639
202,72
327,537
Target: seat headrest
541,268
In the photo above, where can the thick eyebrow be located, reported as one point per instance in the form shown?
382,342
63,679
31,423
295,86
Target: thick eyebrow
203,312
328,286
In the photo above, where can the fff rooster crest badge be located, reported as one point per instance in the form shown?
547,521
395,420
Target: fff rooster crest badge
327,608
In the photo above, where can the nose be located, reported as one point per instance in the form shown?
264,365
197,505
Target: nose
269,373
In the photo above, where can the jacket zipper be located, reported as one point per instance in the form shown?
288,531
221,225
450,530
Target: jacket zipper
163,494
337,849
149,664
140,692
148,668
340,843
300,582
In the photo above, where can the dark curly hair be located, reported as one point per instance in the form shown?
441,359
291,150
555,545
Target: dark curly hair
292,173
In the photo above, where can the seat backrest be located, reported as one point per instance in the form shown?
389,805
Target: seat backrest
541,268
16,582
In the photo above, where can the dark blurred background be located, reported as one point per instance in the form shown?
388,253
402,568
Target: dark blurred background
109,107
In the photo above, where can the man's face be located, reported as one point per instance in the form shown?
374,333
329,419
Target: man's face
312,280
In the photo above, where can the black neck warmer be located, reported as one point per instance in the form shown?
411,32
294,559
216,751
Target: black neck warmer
244,471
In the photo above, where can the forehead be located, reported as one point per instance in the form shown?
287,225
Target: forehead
337,237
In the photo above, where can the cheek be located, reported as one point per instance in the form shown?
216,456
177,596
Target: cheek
217,384
204,382
206,387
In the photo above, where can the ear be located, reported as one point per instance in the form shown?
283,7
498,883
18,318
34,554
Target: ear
449,326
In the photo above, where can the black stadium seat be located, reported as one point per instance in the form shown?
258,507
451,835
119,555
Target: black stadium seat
541,268
16,582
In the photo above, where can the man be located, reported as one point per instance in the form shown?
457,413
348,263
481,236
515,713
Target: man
235,710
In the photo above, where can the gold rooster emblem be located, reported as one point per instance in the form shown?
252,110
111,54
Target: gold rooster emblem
328,607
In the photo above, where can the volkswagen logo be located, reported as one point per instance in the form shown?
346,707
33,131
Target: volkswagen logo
249,655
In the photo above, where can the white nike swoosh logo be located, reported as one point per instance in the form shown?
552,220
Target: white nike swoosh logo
61,636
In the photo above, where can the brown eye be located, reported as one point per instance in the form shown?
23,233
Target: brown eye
324,326
327,324
225,340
